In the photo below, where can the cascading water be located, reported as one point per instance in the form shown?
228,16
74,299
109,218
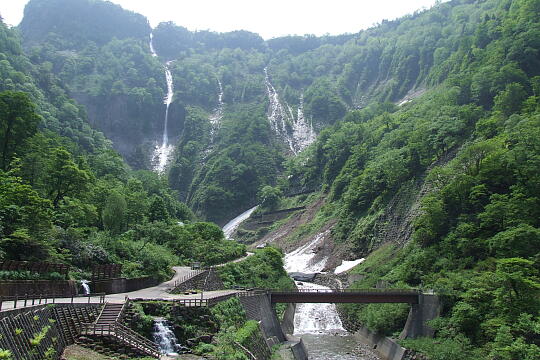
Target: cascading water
276,114
85,286
319,325
217,115
162,152
165,338
232,225
301,134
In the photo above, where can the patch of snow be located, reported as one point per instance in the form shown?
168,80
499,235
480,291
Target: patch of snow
347,265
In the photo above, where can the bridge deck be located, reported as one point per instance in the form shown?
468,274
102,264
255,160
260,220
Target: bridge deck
349,296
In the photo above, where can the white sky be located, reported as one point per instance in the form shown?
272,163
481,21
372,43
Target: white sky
271,18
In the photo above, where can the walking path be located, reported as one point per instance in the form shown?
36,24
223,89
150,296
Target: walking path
159,292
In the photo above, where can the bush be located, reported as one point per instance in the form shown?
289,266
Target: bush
229,313
5,354
262,270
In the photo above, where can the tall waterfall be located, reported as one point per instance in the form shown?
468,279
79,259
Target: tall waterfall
162,152
217,115
303,133
297,132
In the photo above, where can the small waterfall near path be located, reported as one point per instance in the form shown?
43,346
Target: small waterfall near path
165,338
85,286
162,152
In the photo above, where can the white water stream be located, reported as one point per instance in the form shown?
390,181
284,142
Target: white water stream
296,132
163,152
85,286
217,115
319,325
312,318
232,225
164,337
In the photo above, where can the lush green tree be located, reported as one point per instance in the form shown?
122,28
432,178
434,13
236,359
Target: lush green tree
269,197
18,121
157,210
114,213
65,177
24,220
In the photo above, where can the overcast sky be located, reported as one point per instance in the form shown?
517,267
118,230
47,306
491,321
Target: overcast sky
269,18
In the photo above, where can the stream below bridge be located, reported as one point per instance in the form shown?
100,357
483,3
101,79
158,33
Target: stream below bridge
319,325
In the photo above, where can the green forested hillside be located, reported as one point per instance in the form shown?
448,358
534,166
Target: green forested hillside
67,196
427,153
469,149
114,75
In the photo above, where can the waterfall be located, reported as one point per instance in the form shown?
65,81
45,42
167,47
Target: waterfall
162,152
276,114
301,133
316,318
232,225
217,115
165,338
85,286
312,318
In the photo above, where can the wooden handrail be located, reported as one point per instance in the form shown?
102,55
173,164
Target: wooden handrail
125,335
123,310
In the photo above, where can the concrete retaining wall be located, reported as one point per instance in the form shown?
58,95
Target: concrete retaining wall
287,323
387,348
259,308
64,288
297,347
428,308
121,285
207,280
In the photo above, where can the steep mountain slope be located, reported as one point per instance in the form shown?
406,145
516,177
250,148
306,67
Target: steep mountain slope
427,154
443,192
66,196
300,84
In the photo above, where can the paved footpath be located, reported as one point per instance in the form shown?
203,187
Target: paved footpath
159,292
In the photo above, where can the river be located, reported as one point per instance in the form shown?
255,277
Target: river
319,325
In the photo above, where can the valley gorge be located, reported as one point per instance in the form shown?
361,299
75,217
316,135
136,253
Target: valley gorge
404,157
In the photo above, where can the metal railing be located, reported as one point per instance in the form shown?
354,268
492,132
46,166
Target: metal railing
191,302
22,301
337,291
188,276
124,335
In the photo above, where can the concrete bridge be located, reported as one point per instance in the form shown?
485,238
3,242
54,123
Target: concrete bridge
424,307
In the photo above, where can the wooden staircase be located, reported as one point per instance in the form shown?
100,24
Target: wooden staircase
110,314
108,325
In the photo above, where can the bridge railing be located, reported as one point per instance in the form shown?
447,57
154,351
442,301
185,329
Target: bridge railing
22,301
249,292
356,291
